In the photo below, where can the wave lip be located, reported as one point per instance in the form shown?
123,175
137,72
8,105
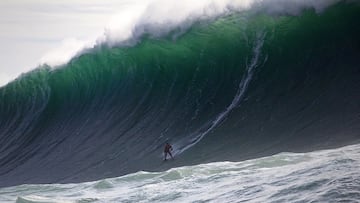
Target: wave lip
158,18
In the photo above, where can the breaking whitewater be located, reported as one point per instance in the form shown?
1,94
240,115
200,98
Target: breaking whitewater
260,100
322,176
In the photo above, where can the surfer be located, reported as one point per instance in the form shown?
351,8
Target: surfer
167,150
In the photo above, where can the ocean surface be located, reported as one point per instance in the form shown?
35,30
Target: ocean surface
321,176
249,98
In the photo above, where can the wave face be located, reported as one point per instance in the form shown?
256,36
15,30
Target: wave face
240,86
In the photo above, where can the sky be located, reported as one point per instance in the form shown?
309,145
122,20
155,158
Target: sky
34,30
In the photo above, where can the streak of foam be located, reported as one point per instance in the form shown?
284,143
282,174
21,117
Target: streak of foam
243,86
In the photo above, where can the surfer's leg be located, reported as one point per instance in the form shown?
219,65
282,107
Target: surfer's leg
171,155
165,155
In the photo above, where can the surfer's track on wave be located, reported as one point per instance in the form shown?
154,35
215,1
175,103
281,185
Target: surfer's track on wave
243,85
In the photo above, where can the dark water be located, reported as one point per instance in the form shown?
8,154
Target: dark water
242,86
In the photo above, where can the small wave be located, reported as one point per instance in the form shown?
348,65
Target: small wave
39,199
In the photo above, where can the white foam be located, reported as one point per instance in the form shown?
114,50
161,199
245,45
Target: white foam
69,48
306,177
159,17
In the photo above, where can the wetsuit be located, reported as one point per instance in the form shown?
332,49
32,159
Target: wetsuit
167,150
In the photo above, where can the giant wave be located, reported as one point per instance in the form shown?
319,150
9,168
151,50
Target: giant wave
242,85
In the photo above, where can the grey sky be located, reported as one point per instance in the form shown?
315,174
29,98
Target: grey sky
31,28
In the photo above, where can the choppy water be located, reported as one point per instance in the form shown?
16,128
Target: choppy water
321,176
